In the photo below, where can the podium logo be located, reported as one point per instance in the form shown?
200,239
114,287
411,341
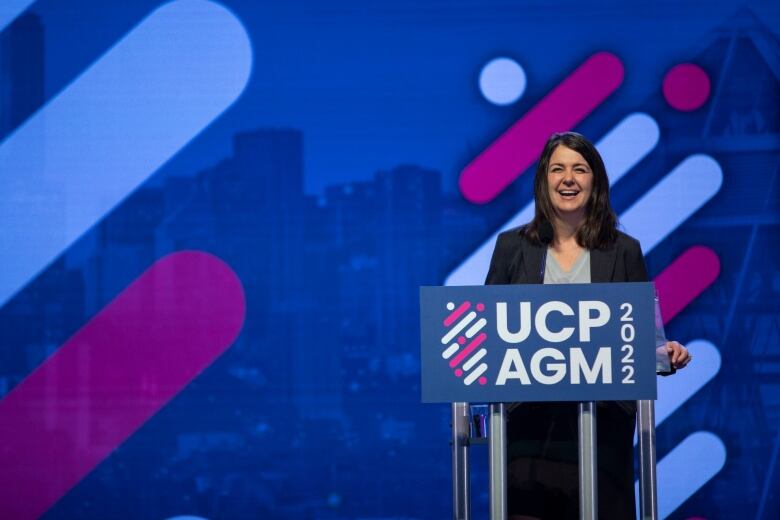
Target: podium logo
464,339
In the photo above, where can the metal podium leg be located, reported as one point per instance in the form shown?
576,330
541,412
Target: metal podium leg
497,454
588,476
648,494
461,492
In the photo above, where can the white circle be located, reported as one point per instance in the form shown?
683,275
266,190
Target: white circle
450,306
502,81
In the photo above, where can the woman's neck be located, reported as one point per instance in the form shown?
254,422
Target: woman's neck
566,231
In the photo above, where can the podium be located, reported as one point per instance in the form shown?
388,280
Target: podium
534,343
462,439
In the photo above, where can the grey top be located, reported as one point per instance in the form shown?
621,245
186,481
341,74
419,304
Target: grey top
580,271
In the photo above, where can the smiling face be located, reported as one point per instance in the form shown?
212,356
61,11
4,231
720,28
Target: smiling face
569,183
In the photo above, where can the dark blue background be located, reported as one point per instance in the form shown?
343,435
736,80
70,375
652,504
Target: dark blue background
376,107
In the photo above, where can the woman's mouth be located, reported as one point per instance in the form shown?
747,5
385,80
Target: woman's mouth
568,194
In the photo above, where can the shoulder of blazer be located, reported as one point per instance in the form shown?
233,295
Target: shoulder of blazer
612,263
520,259
627,241
634,258
507,253
622,261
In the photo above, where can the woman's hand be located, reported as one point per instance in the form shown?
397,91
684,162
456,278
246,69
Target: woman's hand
678,354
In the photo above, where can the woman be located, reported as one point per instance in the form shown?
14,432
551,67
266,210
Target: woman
573,238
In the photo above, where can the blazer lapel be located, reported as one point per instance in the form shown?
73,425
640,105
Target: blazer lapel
532,261
602,264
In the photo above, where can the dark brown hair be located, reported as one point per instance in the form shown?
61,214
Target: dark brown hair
600,227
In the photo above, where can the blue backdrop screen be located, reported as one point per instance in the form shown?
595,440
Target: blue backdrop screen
217,217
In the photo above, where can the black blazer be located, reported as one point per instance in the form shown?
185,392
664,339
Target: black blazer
517,261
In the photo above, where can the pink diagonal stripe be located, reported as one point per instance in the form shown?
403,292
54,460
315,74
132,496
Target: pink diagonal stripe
516,149
457,313
685,279
468,350
111,376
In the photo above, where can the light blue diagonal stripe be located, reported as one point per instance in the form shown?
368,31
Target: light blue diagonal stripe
622,148
10,9
672,200
689,466
675,390
115,125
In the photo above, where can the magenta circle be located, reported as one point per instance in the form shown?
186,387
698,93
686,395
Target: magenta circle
480,307
458,372
686,87
461,340
483,380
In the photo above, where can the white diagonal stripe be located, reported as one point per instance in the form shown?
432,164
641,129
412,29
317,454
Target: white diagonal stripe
621,148
673,200
476,373
473,360
476,328
447,354
458,327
